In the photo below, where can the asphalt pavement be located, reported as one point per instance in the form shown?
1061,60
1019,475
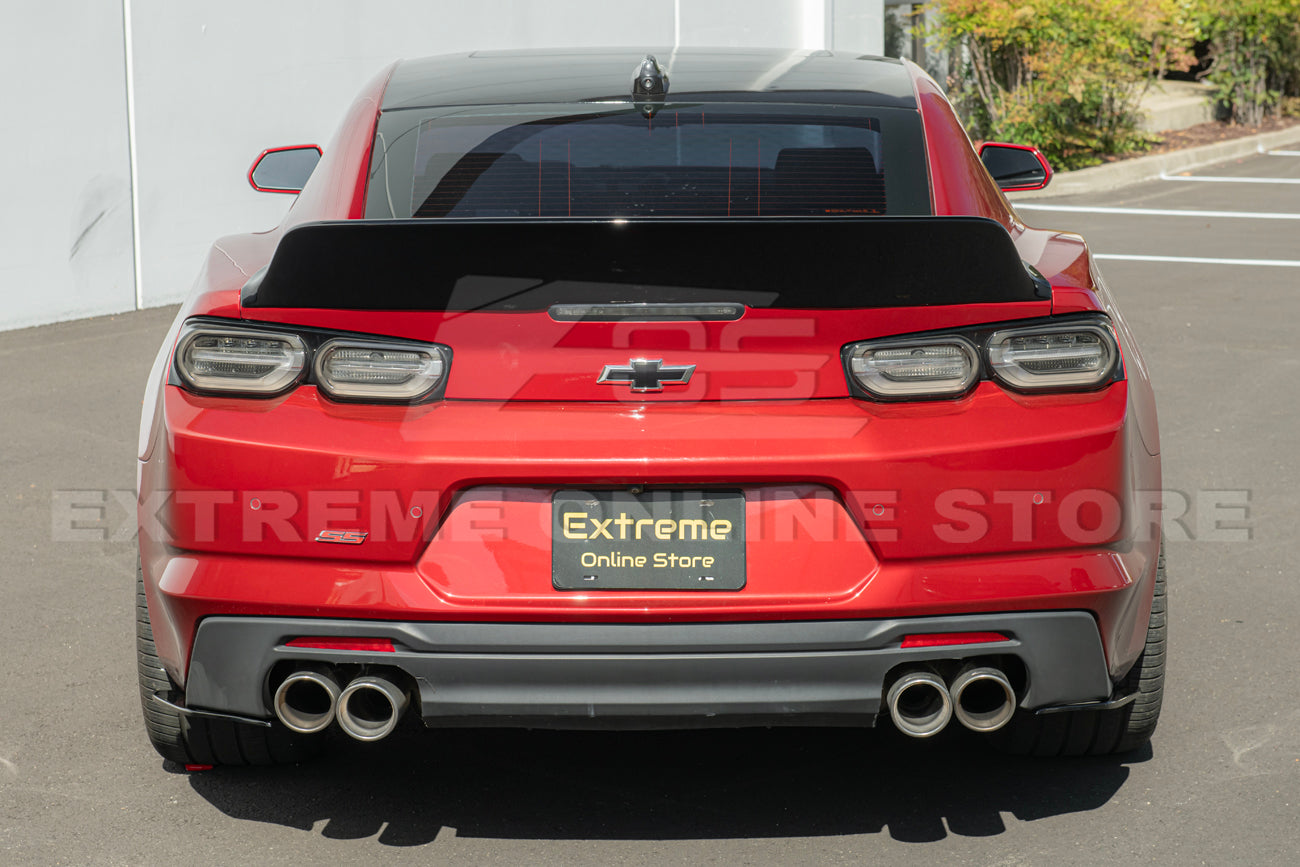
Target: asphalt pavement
1216,314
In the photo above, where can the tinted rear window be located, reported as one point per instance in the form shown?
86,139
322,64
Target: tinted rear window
714,160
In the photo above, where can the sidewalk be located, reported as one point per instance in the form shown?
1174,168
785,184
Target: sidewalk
1170,105
1112,176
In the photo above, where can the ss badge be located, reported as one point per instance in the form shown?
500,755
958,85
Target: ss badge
342,537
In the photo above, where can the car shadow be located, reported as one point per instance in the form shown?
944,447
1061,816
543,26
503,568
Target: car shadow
688,785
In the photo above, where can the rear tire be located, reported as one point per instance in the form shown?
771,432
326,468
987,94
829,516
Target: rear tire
193,740
1103,732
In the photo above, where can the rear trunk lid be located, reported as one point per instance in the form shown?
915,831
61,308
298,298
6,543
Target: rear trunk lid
647,309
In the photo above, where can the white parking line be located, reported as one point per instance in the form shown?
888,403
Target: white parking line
1160,212
1229,180
1283,153
1200,260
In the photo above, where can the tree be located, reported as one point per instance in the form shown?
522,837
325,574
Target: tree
1063,75
1255,45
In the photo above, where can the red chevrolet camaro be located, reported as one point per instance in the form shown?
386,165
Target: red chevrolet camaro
589,389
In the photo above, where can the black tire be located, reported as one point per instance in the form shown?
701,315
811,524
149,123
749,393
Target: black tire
1103,732
192,740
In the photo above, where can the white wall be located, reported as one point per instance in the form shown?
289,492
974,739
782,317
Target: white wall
216,82
253,80
65,189
858,25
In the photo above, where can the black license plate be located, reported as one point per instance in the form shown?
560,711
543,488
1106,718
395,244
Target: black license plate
651,540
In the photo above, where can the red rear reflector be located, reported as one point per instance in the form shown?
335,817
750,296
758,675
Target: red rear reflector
192,768
941,639
372,645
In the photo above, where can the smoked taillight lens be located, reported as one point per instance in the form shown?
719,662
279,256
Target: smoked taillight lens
1058,357
347,369
936,367
243,360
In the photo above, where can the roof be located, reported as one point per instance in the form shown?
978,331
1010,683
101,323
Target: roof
605,75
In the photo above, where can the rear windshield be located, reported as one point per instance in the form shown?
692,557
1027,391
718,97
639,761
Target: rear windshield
715,160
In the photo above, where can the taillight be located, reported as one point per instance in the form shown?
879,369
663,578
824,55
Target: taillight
348,369
1067,354
238,359
939,367
1053,357
219,358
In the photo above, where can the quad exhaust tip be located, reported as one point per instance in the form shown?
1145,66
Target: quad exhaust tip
983,698
307,700
369,708
919,704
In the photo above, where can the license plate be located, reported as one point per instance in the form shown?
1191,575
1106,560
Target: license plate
652,540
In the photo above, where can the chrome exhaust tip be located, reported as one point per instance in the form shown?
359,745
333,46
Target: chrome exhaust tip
305,702
369,708
983,698
919,704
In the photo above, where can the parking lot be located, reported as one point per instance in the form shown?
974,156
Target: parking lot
1207,268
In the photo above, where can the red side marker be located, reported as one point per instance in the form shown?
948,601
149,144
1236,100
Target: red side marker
373,645
943,639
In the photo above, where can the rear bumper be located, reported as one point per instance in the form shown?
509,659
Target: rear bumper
996,502
660,675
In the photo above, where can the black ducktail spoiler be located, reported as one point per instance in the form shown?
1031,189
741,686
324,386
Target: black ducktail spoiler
500,265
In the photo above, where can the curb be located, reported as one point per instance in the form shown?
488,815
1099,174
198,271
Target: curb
1100,179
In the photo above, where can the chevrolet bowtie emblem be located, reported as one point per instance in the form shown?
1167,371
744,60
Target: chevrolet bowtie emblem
646,374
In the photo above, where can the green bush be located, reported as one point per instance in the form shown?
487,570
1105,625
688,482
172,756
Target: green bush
1255,45
1063,75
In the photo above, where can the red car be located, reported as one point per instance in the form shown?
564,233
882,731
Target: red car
581,389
